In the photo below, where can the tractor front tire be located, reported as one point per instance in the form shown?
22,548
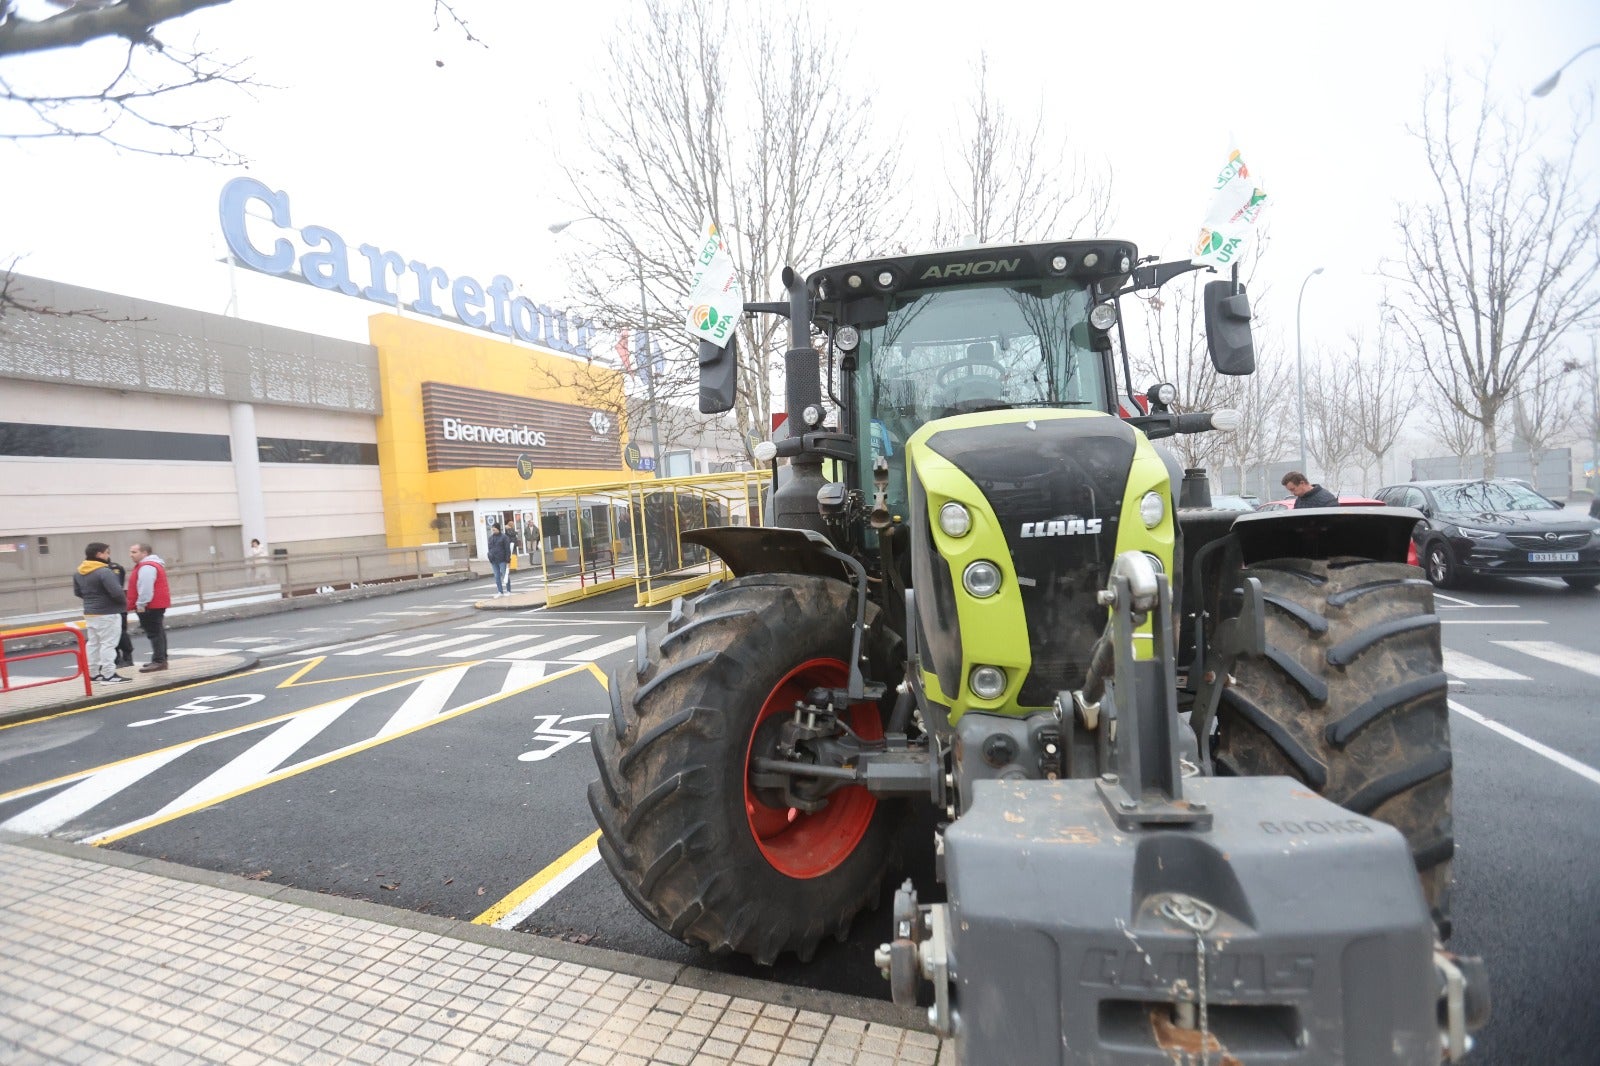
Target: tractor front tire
694,847
1351,699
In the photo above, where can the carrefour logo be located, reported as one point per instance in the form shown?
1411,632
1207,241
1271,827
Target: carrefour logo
600,423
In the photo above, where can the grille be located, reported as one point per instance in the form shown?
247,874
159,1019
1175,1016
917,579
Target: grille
1538,540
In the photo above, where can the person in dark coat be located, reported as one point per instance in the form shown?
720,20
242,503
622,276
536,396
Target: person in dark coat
1306,494
125,645
500,560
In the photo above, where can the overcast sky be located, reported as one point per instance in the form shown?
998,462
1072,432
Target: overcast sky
452,164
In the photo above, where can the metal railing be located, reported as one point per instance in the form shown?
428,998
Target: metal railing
211,585
77,651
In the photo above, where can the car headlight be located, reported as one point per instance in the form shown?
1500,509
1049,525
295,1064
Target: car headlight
955,520
1152,509
988,682
1478,534
981,578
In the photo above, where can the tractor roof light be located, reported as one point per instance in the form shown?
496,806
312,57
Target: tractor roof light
988,682
885,279
1060,263
955,520
1091,259
853,281
1103,316
847,337
981,579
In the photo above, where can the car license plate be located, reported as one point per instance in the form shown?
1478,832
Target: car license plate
1552,557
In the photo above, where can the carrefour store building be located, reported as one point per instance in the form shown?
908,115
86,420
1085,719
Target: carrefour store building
123,420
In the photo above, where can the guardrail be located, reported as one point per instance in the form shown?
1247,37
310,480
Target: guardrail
77,651
197,588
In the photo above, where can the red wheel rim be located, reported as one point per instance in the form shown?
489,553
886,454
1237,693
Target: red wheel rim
796,843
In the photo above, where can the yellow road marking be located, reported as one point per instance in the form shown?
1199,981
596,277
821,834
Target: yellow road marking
332,756
233,732
294,681
538,880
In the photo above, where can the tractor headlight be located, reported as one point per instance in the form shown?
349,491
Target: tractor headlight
955,520
1104,316
981,578
988,682
1152,509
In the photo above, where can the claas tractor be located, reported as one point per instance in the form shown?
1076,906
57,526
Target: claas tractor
1191,768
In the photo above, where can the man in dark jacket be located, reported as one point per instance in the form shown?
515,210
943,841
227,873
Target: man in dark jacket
125,645
500,560
1306,494
102,597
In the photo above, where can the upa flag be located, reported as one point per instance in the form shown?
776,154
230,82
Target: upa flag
715,299
1236,207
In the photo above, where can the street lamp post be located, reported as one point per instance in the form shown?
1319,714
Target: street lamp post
644,316
1300,367
1544,87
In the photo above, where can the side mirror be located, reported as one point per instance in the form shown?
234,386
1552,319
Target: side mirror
717,375
1228,336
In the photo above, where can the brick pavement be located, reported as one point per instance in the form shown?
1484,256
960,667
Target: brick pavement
111,957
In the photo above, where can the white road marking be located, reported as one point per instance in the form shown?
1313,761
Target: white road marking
519,674
1581,769
365,647
549,891
589,655
1491,622
428,699
247,640
549,645
479,651
448,642
1461,665
1452,599
79,798
1560,654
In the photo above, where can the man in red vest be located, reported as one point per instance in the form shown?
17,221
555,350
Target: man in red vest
149,595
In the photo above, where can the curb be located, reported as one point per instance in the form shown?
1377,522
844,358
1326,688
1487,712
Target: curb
834,1003
237,664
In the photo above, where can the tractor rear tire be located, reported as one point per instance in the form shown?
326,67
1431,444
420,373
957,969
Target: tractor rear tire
692,845
1351,699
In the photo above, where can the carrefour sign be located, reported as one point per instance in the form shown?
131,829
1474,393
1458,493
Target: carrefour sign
321,257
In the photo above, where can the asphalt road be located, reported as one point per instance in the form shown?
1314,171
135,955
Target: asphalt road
415,752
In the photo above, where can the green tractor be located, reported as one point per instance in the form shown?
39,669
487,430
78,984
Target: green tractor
1193,766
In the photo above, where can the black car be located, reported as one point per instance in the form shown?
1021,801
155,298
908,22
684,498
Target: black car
1497,527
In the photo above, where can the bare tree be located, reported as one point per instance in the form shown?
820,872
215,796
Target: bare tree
1502,263
1544,413
1331,439
1459,431
750,126
1382,389
1263,401
1013,180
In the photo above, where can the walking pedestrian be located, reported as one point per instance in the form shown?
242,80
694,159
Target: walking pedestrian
125,643
149,595
500,560
97,586
1306,494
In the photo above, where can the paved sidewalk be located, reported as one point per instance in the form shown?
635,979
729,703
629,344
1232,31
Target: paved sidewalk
111,957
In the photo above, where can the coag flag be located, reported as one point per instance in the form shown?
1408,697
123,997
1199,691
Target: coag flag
715,299
1235,209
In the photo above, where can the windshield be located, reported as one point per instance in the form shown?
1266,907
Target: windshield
1491,496
953,351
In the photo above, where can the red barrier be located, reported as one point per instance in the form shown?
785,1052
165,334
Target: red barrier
78,652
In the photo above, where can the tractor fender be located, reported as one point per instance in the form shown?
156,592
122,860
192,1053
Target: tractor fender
1379,533
770,550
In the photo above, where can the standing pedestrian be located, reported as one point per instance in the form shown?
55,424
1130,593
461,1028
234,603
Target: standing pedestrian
149,595
256,558
125,644
500,559
97,586
1306,494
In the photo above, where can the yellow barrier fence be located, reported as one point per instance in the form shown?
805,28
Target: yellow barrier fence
598,538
